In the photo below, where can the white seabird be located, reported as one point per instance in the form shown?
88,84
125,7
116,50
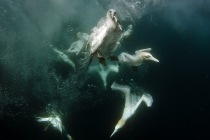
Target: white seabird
131,104
65,58
137,59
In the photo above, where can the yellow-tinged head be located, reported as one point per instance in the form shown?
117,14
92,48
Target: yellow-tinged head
147,56
119,125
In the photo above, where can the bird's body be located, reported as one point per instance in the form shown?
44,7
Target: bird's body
138,58
132,102
104,37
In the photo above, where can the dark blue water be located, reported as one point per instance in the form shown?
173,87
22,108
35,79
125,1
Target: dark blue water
33,80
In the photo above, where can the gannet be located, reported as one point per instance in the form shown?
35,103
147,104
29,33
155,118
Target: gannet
56,122
137,59
131,103
104,37
65,58
126,33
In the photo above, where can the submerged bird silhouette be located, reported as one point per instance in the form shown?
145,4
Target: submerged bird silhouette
65,58
137,59
56,122
131,104
104,37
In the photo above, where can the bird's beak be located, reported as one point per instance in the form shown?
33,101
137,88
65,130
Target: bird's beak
114,132
115,18
154,59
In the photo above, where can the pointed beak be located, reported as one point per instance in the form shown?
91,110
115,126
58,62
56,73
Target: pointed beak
114,132
115,19
154,59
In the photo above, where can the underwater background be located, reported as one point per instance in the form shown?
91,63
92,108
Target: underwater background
35,82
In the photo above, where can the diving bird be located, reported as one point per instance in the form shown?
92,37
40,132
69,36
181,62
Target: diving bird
79,46
137,59
104,71
65,58
104,37
132,102
126,33
56,122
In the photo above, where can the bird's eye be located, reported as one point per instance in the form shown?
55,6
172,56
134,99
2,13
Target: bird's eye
110,12
147,56
114,13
